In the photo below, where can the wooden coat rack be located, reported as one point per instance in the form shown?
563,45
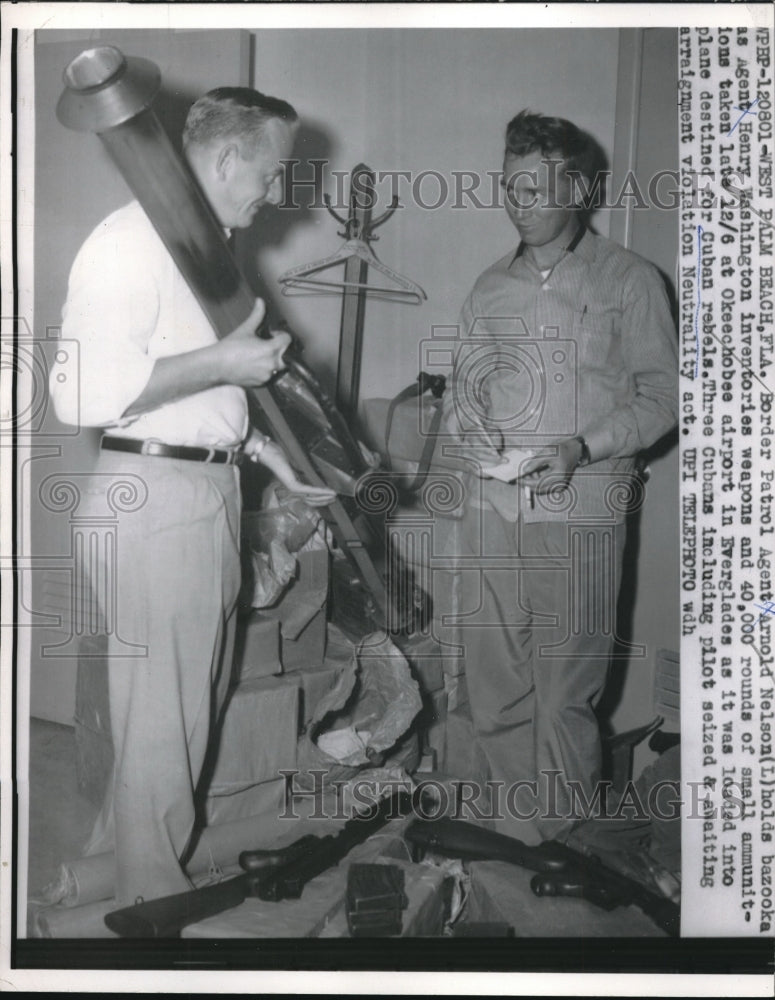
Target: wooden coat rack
357,255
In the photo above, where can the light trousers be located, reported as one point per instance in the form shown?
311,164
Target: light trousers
536,617
168,598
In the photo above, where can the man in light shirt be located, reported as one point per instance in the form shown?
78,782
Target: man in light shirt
566,370
171,398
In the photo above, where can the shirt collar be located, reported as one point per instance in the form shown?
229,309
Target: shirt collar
574,243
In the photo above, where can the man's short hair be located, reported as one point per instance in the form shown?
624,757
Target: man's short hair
234,112
528,132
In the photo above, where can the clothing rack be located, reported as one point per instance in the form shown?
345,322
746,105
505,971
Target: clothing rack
357,256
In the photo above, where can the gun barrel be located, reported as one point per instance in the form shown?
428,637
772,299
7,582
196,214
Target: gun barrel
166,917
577,885
261,860
459,839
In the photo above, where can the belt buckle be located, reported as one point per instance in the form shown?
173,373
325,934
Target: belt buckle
149,444
212,453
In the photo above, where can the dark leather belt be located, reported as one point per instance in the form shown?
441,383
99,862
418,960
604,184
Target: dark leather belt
217,456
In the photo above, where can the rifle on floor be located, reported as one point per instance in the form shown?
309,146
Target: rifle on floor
268,875
562,871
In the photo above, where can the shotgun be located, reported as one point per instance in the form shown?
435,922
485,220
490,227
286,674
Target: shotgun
268,875
562,871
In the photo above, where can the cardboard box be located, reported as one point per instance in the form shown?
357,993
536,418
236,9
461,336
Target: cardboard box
313,684
307,650
265,800
259,733
302,613
257,647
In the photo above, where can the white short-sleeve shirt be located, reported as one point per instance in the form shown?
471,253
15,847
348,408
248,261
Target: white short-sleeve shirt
127,305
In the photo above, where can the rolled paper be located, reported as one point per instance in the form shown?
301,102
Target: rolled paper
75,921
92,879
84,880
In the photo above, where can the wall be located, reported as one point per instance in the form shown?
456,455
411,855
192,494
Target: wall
417,101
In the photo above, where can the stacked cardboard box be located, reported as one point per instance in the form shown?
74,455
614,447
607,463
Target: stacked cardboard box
257,647
291,635
279,665
257,741
301,614
286,659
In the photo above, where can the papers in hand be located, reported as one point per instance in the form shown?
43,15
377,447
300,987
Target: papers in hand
511,466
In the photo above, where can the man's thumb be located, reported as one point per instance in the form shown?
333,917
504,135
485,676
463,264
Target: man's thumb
259,311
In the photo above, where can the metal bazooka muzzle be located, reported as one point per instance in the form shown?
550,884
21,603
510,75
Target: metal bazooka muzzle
111,94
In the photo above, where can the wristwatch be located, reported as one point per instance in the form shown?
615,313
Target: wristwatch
253,456
585,458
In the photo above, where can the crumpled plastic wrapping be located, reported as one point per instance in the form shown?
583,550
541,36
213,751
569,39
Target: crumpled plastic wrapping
375,696
272,539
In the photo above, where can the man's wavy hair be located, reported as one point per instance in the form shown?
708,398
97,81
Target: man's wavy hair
554,138
234,112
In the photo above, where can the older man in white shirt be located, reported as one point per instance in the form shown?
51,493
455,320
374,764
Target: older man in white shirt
171,398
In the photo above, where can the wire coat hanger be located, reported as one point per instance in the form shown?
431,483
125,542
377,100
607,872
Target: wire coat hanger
357,244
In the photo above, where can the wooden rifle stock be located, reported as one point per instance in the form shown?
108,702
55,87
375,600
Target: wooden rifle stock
562,870
269,875
166,917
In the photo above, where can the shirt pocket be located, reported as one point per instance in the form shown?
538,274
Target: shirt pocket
597,339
